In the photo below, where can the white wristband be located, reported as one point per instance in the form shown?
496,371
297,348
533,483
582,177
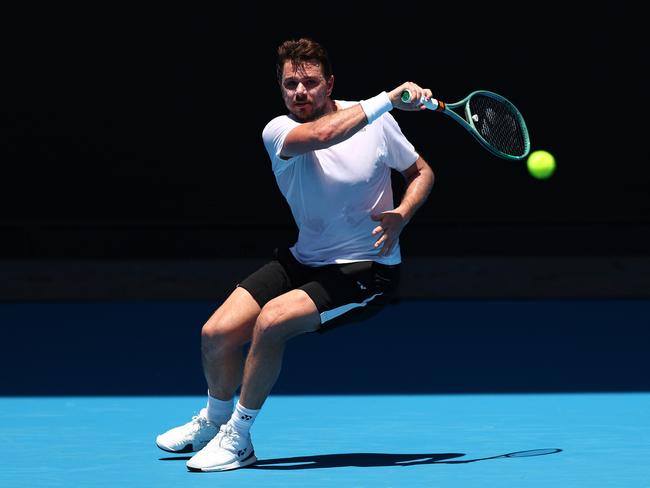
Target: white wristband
376,106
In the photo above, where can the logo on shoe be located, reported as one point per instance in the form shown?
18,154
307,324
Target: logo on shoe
241,452
361,285
246,417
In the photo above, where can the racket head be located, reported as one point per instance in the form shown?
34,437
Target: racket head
497,124
533,452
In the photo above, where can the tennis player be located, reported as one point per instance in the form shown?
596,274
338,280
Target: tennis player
332,160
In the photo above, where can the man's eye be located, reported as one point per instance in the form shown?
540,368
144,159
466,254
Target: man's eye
290,85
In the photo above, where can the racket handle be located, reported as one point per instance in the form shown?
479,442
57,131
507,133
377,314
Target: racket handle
431,103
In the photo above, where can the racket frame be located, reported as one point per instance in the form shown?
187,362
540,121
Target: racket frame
468,123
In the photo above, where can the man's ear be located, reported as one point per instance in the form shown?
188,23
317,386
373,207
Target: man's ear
330,85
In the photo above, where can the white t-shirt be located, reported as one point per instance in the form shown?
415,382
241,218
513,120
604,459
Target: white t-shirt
332,192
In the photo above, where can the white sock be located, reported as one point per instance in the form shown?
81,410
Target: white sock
219,411
242,419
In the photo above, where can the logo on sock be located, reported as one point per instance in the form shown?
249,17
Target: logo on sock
245,417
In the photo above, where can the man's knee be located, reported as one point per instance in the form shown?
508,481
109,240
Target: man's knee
280,321
271,321
219,334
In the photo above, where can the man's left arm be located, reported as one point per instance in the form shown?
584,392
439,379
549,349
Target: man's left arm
419,181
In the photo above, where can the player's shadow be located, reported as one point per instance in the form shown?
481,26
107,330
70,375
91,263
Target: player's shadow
358,459
361,459
369,460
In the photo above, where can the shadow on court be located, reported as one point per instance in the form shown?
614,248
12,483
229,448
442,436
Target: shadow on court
368,460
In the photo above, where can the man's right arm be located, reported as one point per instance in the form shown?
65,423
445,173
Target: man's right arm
340,125
324,132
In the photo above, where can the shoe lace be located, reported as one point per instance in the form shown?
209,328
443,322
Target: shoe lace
230,438
197,423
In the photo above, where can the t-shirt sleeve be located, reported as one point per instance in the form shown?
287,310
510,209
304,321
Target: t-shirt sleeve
273,137
400,153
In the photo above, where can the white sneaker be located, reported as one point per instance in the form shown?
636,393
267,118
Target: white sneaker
191,437
228,450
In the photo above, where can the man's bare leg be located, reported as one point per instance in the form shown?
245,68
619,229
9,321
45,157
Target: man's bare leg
279,320
222,341
223,338
284,317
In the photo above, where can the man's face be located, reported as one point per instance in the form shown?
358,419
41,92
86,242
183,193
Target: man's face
304,90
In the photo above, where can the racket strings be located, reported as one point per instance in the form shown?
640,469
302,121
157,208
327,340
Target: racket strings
534,452
499,125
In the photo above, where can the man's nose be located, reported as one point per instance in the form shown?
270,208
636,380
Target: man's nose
301,88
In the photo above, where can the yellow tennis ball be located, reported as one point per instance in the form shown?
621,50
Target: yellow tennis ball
541,164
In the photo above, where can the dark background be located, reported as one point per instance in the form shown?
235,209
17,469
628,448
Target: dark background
441,346
137,133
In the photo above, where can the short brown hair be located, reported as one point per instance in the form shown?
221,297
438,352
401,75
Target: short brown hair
301,50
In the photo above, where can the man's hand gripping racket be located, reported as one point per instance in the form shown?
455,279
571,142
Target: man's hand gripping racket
492,119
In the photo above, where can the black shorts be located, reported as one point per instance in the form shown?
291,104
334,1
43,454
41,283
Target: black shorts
343,293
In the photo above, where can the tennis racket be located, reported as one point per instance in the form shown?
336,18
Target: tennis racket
492,119
518,454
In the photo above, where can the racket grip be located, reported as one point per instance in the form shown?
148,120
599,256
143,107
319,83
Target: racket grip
431,103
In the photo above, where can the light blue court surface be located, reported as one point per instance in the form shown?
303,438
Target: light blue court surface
596,440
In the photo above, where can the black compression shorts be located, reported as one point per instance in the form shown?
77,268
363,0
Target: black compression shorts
343,293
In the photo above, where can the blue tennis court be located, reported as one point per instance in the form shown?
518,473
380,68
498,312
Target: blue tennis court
397,440
438,404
